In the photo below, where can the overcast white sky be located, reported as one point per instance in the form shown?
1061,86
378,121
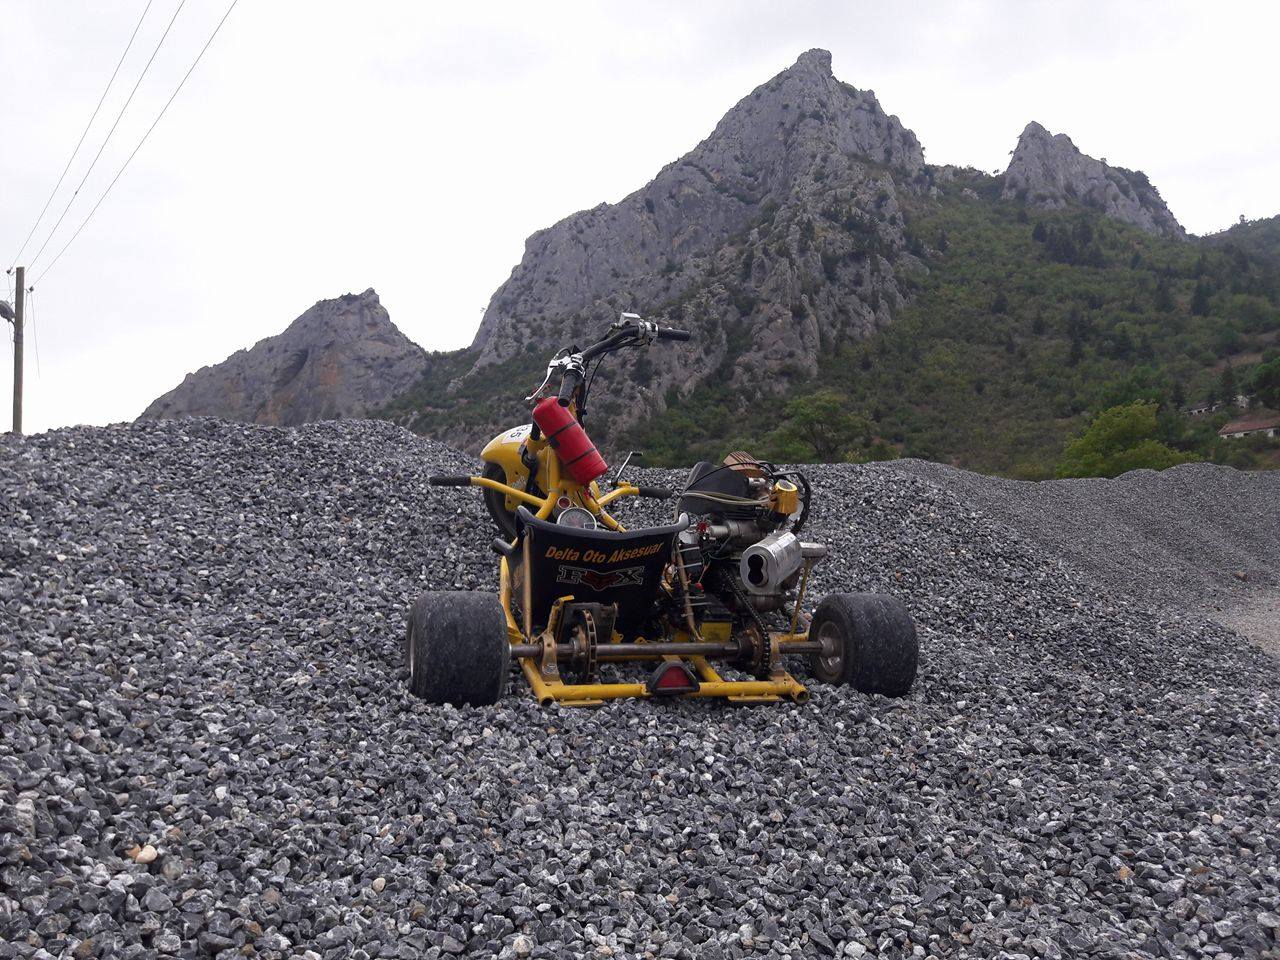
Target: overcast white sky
323,146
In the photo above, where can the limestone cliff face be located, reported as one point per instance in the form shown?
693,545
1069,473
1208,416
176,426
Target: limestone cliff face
342,358
777,238
1049,172
780,230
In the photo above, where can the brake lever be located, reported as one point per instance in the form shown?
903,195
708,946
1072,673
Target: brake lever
557,362
545,380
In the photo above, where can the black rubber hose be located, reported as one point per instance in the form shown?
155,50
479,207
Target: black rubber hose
804,507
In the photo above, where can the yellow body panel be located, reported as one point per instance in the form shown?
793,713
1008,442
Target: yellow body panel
504,450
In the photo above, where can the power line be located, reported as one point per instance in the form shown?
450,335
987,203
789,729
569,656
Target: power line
158,118
74,153
35,340
119,115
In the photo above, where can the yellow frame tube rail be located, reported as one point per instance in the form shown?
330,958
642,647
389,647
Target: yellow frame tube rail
555,691
562,488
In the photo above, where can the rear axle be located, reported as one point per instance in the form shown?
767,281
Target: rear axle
646,651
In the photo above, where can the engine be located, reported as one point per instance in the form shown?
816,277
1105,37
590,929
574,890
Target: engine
745,550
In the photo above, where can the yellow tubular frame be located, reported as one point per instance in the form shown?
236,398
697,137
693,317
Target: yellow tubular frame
551,690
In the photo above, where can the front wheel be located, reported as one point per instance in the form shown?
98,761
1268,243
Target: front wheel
868,642
496,502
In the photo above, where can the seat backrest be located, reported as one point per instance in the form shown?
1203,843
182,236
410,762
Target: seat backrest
595,566
705,478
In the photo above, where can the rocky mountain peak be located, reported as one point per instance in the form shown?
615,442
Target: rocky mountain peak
816,60
341,358
804,111
787,144
1048,172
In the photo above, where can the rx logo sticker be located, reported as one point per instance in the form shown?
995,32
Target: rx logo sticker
601,579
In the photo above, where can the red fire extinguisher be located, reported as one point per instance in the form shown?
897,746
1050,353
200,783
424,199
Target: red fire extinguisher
570,442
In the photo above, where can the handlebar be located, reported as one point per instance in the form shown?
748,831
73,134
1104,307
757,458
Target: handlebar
630,330
572,377
628,334
607,344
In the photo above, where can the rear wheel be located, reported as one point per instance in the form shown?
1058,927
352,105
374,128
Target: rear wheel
456,648
868,642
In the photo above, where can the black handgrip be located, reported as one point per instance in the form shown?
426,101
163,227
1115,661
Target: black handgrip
671,333
569,384
655,493
449,481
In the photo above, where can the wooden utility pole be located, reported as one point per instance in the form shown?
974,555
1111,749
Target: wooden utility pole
19,301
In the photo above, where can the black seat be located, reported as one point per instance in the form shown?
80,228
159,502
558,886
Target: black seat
595,566
715,480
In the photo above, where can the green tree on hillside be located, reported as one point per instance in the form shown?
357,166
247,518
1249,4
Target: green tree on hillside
1200,298
1119,440
1266,383
1228,389
820,427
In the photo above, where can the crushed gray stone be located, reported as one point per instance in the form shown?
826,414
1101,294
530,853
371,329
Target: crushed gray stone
1197,538
199,650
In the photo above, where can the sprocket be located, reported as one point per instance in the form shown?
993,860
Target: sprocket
755,645
585,637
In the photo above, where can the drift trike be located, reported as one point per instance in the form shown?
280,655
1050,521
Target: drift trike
708,605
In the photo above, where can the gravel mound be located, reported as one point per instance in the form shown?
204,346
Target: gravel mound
209,749
1192,529
1197,538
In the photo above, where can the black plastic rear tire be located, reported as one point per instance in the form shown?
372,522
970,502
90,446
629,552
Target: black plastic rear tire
873,642
456,648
